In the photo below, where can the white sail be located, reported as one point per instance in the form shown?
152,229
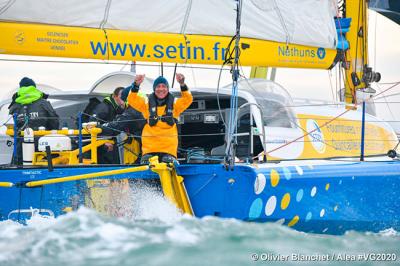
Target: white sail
306,22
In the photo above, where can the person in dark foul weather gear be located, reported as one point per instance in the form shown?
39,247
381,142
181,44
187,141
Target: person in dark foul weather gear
32,110
108,109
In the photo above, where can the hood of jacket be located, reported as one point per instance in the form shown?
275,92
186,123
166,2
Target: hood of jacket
28,95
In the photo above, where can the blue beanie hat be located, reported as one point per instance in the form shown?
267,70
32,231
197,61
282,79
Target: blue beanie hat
26,82
160,80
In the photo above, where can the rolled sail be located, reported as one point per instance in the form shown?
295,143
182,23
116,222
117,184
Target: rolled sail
305,22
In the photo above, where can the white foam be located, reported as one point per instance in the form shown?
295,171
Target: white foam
179,234
389,232
111,232
148,204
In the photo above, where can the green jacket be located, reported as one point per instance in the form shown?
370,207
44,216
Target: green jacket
28,95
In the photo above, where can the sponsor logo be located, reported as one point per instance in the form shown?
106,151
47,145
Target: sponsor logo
298,52
20,37
321,53
316,136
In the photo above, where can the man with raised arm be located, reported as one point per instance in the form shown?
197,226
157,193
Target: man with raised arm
161,111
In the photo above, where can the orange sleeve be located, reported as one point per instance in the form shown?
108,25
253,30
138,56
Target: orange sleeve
138,103
182,103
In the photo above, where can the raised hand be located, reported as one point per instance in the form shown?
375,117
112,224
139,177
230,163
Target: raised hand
139,79
180,78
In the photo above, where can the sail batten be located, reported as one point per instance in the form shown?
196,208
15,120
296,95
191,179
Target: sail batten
287,21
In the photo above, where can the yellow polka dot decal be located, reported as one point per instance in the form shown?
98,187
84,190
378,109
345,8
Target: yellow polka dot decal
274,178
294,221
327,187
285,201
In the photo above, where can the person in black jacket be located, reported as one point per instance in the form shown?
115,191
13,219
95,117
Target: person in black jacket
33,111
130,122
109,108
32,108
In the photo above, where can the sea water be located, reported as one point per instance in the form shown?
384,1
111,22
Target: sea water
155,233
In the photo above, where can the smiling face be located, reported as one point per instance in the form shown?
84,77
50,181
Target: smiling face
161,91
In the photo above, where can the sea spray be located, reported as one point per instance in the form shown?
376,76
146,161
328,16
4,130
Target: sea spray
85,237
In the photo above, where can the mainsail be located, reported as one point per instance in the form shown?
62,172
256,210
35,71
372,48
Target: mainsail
275,33
290,21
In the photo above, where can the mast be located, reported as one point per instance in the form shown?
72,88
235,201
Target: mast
232,129
358,74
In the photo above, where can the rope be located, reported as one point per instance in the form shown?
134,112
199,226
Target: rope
102,63
325,124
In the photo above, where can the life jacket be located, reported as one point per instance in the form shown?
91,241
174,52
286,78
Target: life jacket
167,117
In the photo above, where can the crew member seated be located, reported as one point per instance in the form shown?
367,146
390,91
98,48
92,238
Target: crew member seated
130,122
103,112
109,108
32,109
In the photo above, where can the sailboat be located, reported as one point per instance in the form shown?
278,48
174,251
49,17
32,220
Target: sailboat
321,170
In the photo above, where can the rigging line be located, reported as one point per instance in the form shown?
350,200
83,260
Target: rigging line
173,76
387,104
124,65
7,121
389,83
102,24
323,141
308,133
330,83
218,102
229,151
7,6
137,136
346,81
323,125
106,14
382,92
281,19
103,63
183,29
186,17
194,78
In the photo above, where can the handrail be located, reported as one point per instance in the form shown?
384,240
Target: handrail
6,184
85,131
86,176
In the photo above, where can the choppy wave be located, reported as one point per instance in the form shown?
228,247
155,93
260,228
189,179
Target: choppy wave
157,234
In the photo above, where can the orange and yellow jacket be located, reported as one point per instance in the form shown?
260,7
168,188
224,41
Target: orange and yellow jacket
160,137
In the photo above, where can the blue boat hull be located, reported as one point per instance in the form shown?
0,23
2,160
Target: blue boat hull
321,198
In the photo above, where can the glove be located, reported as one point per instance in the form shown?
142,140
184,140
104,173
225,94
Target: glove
184,87
134,87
